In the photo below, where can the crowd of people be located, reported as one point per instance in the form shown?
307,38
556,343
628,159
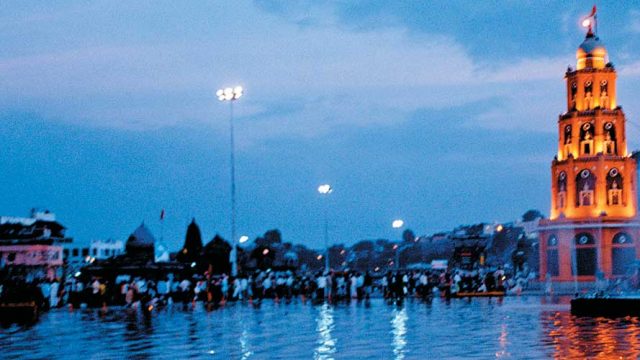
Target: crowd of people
286,286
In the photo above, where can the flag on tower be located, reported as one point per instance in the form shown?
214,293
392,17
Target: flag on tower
590,21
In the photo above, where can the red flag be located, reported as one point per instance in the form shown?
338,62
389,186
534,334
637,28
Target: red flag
162,214
593,11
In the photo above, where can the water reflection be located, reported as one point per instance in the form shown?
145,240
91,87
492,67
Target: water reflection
324,326
532,328
579,337
503,342
245,347
399,326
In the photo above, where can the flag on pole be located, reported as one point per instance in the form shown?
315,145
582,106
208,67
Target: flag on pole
591,21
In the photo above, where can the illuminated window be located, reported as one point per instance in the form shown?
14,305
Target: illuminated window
574,91
567,140
586,139
614,187
562,190
609,139
604,94
588,97
585,185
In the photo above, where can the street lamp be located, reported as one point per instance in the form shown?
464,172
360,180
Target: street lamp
231,95
326,189
243,239
398,224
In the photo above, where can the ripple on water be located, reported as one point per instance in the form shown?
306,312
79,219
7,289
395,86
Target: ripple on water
528,327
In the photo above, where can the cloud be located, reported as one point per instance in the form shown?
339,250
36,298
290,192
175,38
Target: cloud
634,25
327,75
529,70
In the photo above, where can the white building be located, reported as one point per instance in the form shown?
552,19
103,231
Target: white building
77,256
104,249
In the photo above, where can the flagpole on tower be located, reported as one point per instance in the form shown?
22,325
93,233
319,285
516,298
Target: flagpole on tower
162,226
591,22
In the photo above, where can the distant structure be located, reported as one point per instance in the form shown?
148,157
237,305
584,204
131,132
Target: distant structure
593,227
192,249
76,256
141,244
33,245
140,258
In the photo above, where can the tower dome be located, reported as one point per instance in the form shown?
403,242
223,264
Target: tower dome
591,53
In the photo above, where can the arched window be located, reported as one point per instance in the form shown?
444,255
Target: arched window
588,95
623,253
561,201
553,265
567,141
609,139
567,134
586,139
614,187
585,188
574,92
586,257
604,94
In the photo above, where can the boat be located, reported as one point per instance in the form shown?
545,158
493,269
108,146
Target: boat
606,306
18,312
479,294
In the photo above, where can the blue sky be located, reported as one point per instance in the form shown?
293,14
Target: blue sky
439,113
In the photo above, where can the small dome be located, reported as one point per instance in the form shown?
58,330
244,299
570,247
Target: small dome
141,237
591,43
591,53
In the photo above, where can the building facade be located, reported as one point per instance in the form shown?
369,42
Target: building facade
593,226
32,246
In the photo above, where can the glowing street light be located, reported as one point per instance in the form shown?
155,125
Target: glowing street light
243,239
231,94
227,94
397,224
325,190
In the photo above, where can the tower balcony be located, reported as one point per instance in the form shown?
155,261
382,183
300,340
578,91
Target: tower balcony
591,159
591,113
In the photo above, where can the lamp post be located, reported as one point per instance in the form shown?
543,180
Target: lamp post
231,95
398,224
326,189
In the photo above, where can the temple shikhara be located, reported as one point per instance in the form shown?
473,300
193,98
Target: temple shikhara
593,227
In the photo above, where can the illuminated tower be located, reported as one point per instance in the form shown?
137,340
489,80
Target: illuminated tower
593,223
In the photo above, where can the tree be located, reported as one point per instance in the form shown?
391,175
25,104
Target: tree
408,236
532,215
270,238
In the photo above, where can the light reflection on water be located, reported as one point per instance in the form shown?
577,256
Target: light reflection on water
326,343
398,323
532,328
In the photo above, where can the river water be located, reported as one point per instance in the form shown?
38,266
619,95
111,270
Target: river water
514,328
